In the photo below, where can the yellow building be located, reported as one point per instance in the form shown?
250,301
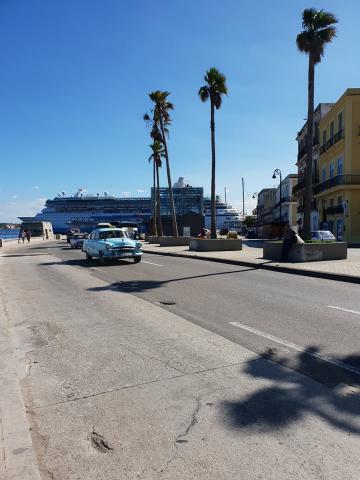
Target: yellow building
338,192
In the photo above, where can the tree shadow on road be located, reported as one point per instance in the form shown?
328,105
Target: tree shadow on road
137,286
292,396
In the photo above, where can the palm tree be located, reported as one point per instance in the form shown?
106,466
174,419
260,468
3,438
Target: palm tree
318,30
214,89
158,153
162,116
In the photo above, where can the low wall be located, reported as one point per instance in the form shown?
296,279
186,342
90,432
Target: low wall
212,245
153,239
174,241
307,252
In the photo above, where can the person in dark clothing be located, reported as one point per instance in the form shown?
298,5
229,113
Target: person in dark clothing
289,240
28,236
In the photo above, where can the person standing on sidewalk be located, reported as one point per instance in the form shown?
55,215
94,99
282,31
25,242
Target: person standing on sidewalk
28,235
22,235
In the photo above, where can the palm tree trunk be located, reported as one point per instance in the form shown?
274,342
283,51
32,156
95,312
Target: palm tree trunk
154,222
158,213
171,195
213,163
308,195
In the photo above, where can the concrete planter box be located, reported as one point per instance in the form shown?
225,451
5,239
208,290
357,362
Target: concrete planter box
212,245
153,239
307,252
174,241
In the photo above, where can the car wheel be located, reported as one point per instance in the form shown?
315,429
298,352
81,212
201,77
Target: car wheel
137,259
88,257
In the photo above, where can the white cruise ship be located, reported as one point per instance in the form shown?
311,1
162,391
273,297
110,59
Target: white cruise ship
226,215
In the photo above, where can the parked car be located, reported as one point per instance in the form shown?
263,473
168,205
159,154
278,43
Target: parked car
251,233
70,232
323,235
77,239
111,243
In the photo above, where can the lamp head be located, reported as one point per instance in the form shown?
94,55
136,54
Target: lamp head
274,176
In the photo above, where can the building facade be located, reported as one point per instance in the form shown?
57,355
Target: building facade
265,205
299,190
338,191
288,202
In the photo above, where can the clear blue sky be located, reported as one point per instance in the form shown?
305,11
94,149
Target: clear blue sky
75,76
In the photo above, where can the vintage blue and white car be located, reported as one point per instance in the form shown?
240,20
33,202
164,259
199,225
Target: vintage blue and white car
111,243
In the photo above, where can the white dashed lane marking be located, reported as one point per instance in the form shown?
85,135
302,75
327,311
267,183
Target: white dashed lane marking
355,312
298,348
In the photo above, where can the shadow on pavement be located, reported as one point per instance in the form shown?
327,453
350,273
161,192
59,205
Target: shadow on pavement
137,286
292,396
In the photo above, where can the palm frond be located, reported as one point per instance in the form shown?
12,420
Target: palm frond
318,30
204,93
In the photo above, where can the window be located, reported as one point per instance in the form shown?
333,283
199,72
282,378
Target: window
340,166
331,129
331,202
331,170
340,121
323,174
324,137
340,200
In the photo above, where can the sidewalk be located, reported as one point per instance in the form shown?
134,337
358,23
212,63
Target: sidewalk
251,256
116,387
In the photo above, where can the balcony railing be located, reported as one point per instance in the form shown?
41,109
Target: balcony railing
301,153
335,210
300,208
298,187
334,139
336,181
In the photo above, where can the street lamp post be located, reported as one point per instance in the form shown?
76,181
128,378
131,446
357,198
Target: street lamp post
277,173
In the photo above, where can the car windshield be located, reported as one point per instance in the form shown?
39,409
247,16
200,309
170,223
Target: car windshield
80,235
113,234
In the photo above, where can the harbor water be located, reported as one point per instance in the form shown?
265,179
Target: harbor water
8,233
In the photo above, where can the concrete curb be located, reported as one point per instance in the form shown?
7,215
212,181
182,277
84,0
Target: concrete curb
340,277
16,447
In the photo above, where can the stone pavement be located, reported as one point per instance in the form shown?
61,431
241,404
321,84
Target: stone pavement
251,255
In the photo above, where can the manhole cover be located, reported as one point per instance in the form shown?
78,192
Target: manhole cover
167,303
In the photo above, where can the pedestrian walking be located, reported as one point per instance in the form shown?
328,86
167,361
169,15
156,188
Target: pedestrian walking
289,239
23,235
28,236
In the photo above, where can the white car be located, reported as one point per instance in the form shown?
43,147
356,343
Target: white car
323,235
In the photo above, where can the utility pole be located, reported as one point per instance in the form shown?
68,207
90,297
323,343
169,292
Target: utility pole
243,195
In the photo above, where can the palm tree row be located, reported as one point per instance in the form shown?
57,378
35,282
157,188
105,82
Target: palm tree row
159,120
318,30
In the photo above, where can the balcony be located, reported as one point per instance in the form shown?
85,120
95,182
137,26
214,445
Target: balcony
335,182
301,153
299,187
300,208
332,141
335,210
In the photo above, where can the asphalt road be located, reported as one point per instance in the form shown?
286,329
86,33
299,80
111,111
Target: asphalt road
308,324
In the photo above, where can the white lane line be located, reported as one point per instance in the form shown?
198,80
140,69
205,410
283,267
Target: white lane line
344,309
298,348
150,263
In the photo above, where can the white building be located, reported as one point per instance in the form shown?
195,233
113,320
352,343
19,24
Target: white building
288,201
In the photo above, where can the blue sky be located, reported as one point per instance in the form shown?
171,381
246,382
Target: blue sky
75,76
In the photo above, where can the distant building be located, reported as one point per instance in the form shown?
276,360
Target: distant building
265,206
288,202
38,229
